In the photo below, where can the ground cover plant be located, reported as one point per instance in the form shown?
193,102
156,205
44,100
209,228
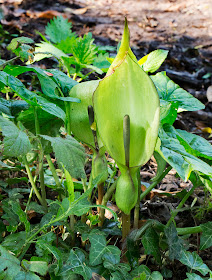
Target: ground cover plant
63,122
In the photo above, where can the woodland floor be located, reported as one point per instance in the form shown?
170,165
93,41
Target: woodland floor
182,27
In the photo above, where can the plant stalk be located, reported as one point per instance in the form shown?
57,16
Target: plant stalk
100,194
33,183
125,225
175,212
154,184
53,170
137,209
105,199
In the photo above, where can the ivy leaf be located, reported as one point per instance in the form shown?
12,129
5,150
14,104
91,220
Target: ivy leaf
150,241
170,91
16,142
9,265
112,254
193,261
174,242
59,29
152,61
69,153
39,267
122,268
98,244
206,237
76,262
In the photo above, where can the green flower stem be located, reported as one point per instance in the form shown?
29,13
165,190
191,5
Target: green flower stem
100,194
154,184
175,212
43,203
189,230
105,199
8,62
41,176
29,199
37,126
41,171
53,170
137,208
125,225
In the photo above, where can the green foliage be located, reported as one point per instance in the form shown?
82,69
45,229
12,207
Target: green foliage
152,61
171,92
194,262
41,246
206,237
69,153
16,141
73,52
58,29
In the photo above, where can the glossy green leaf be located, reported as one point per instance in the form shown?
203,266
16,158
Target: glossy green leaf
49,84
69,153
178,155
16,142
9,265
76,262
77,208
23,275
168,111
54,251
195,144
127,90
193,261
170,91
193,276
14,242
144,270
150,241
152,61
65,82
49,124
112,254
16,207
98,244
79,120
69,185
206,237
39,267
30,97
174,242
47,50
